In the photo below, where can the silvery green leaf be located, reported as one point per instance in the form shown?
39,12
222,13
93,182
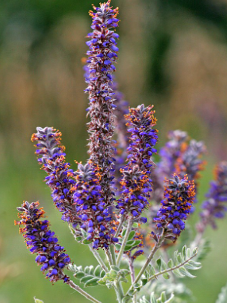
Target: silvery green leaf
204,249
186,273
222,297
97,270
162,299
38,300
91,282
79,275
178,273
86,279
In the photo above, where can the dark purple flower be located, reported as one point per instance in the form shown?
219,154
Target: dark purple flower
178,198
60,177
216,204
91,208
136,182
42,241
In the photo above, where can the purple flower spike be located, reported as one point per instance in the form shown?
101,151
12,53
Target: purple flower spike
216,204
100,66
60,177
91,208
136,182
178,198
37,235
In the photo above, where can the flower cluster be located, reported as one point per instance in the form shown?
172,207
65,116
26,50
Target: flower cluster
214,207
60,177
190,161
136,182
178,198
95,216
172,150
42,241
181,156
100,66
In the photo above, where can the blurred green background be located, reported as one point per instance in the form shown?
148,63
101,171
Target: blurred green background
173,54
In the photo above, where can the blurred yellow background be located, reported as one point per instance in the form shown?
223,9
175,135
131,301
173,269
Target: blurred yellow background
173,54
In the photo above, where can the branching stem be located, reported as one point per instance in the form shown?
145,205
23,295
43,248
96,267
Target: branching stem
132,274
150,257
99,259
125,240
171,269
82,292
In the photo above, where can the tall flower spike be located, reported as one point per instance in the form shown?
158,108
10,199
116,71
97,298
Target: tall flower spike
60,177
136,182
178,198
95,217
100,66
215,206
42,241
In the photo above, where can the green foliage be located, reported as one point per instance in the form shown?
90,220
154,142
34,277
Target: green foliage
80,236
179,266
153,299
204,249
181,293
93,276
113,275
130,244
89,276
222,298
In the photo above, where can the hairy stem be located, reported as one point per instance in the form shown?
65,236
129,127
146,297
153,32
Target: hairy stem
117,285
125,240
99,259
82,292
132,274
109,257
119,291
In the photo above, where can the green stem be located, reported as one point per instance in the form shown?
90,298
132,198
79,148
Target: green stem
109,257
117,285
132,274
124,241
119,291
82,292
150,257
112,252
99,259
